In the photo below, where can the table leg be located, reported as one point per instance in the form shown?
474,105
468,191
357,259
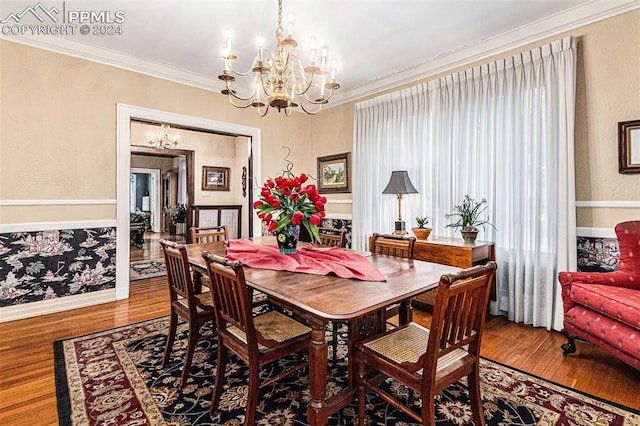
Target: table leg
317,411
405,313
197,282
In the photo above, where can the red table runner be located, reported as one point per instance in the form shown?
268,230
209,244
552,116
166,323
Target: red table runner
309,260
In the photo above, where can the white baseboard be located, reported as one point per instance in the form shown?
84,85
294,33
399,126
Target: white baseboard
44,307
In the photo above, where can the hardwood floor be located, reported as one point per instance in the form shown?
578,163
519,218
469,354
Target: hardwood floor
27,388
151,249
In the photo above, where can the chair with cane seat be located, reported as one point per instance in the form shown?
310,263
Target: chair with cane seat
332,237
392,245
429,360
196,309
209,234
258,340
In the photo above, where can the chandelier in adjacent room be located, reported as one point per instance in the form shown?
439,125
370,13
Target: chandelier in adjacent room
164,140
279,78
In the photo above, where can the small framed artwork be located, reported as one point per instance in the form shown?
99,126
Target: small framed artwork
215,178
334,173
629,146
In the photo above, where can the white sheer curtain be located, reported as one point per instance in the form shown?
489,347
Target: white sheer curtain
502,131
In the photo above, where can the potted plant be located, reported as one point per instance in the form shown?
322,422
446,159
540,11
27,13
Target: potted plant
468,217
422,232
179,217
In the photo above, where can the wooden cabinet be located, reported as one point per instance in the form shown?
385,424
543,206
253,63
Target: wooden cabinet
454,252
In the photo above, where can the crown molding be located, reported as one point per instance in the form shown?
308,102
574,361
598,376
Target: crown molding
578,16
116,59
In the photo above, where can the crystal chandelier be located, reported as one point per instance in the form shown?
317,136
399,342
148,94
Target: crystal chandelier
279,78
164,140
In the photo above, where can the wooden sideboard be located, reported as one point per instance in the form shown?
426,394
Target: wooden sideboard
454,252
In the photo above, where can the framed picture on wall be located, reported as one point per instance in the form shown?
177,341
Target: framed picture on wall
629,146
215,178
334,173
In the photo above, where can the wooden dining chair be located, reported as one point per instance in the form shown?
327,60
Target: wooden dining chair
429,360
332,237
209,234
392,245
196,309
258,340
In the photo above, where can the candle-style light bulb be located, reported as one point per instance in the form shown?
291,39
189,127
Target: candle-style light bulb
227,36
324,58
260,47
290,18
334,65
324,81
314,47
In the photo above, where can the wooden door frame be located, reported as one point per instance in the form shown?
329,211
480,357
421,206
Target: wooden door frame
124,116
173,153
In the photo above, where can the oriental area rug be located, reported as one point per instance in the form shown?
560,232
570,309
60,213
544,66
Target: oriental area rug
115,377
144,269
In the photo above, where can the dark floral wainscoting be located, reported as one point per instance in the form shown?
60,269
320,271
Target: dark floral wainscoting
45,265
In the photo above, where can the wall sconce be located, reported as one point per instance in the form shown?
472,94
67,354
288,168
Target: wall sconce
399,184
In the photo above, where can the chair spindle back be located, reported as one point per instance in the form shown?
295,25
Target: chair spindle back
459,311
178,274
332,237
393,245
230,294
209,234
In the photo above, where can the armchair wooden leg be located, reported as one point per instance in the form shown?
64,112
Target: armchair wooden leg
570,346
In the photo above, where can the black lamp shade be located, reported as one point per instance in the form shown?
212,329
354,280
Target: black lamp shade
400,184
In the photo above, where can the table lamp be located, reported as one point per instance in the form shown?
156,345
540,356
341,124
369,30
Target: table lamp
399,184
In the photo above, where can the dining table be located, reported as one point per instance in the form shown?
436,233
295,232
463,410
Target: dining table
321,299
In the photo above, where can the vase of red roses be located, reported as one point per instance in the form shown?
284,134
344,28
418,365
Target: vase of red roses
285,204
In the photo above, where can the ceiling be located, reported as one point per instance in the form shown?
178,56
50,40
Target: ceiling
377,44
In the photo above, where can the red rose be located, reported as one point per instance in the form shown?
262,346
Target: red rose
267,218
257,204
275,203
319,205
272,226
303,178
295,197
270,183
265,192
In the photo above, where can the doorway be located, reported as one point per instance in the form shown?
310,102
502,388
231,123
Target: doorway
145,195
128,113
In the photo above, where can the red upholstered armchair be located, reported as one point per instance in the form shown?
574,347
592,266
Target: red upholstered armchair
604,308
